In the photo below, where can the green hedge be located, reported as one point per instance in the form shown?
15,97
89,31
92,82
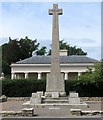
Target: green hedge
22,87
25,87
85,88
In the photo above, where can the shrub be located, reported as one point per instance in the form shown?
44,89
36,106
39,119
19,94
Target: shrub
22,87
69,86
85,88
25,87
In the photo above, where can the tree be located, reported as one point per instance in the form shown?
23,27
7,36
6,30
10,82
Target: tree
71,50
10,53
49,52
41,51
93,74
91,83
19,49
16,50
27,46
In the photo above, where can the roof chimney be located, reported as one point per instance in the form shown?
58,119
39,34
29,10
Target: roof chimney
64,52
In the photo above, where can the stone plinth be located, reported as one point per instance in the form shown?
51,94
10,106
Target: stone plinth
74,98
41,93
74,95
35,99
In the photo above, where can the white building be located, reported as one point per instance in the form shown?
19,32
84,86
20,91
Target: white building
38,67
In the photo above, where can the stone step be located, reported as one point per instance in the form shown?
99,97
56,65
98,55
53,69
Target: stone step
55,101
63,98
60,98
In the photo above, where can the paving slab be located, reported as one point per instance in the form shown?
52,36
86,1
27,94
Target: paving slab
48,111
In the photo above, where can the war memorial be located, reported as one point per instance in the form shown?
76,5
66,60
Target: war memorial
54,101
55,92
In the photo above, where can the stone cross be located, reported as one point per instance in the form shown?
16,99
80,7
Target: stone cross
55,82
55,32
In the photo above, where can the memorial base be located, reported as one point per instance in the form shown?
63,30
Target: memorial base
55,94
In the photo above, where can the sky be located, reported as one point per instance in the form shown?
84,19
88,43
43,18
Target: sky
80,24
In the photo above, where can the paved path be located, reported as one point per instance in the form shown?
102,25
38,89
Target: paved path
12,105
96,118
47,111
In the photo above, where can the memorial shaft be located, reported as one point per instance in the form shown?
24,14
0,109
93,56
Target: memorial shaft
55,82
55,39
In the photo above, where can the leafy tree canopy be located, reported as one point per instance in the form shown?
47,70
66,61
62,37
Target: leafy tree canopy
41,51
19,49
71,50
16,50
93,74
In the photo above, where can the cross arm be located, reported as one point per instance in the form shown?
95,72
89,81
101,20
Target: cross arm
50,12
59,11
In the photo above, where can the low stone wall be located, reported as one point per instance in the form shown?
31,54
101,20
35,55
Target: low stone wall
81,98
79,112
28,112
91,98
18,98
10,113
74,112
24,112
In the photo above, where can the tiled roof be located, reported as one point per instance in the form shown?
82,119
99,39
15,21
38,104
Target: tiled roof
63,60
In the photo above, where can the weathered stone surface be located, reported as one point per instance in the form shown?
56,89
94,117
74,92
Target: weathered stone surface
35,99
18,98
96,112
28,112
74,95
36,95
28,98
74,98
76,112
2,76
86,112
55,81
3,98
42,96
41,93
11,113
55,94
79,112
91,99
